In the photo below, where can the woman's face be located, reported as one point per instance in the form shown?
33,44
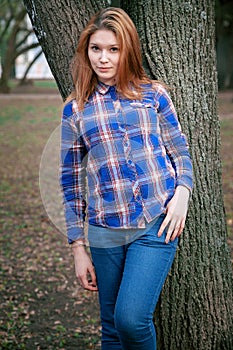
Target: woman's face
104,54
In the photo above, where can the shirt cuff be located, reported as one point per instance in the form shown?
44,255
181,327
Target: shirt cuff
187,182
75,233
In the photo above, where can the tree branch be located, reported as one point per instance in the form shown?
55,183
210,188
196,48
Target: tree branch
6,27
22,41
25,49
16,27
20,16
25,29
29,67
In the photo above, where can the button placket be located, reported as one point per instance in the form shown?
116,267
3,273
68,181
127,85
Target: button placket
128,156
126,141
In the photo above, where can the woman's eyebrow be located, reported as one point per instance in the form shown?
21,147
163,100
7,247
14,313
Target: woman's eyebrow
98,44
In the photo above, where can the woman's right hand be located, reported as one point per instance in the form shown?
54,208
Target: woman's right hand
84,269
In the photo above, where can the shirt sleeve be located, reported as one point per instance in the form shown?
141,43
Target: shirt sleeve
174,140
73,175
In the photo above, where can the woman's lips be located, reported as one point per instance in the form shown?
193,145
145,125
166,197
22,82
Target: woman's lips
103,69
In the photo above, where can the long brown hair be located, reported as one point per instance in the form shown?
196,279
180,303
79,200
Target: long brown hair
130,70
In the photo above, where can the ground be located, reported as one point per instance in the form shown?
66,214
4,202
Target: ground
42,305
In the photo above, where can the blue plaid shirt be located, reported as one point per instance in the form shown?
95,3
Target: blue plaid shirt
121,159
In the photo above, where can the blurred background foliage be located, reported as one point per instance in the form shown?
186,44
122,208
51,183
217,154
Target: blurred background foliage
224,43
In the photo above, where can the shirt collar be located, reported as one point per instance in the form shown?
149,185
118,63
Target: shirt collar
103,89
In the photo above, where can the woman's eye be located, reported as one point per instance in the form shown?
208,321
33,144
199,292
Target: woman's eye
114,49
94,48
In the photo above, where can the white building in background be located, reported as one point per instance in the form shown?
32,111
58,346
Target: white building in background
40,69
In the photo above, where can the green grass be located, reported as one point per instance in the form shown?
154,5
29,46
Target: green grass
40,83
30,114
45,83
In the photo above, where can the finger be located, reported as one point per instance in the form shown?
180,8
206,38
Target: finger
88,285
92,288
163,225
176,231
83,281
170,231
93,279
181,227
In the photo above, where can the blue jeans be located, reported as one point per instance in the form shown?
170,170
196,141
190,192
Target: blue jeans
130,278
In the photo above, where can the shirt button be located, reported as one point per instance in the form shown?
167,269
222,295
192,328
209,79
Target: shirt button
126,144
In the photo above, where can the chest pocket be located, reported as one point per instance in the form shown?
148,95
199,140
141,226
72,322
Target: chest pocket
143,115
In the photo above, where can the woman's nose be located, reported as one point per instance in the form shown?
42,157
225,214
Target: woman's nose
104,56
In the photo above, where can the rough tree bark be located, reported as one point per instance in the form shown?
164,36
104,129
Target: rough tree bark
178,41
57,25
195,310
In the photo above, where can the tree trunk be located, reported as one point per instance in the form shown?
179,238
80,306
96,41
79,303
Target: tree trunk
7,66
195,309
14,48
178,41
57,25
9,57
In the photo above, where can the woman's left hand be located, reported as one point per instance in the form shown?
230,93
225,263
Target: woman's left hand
176,212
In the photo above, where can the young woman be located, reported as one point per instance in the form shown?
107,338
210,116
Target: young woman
126,165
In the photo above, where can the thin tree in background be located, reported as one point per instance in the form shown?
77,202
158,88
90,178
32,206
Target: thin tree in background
14,34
